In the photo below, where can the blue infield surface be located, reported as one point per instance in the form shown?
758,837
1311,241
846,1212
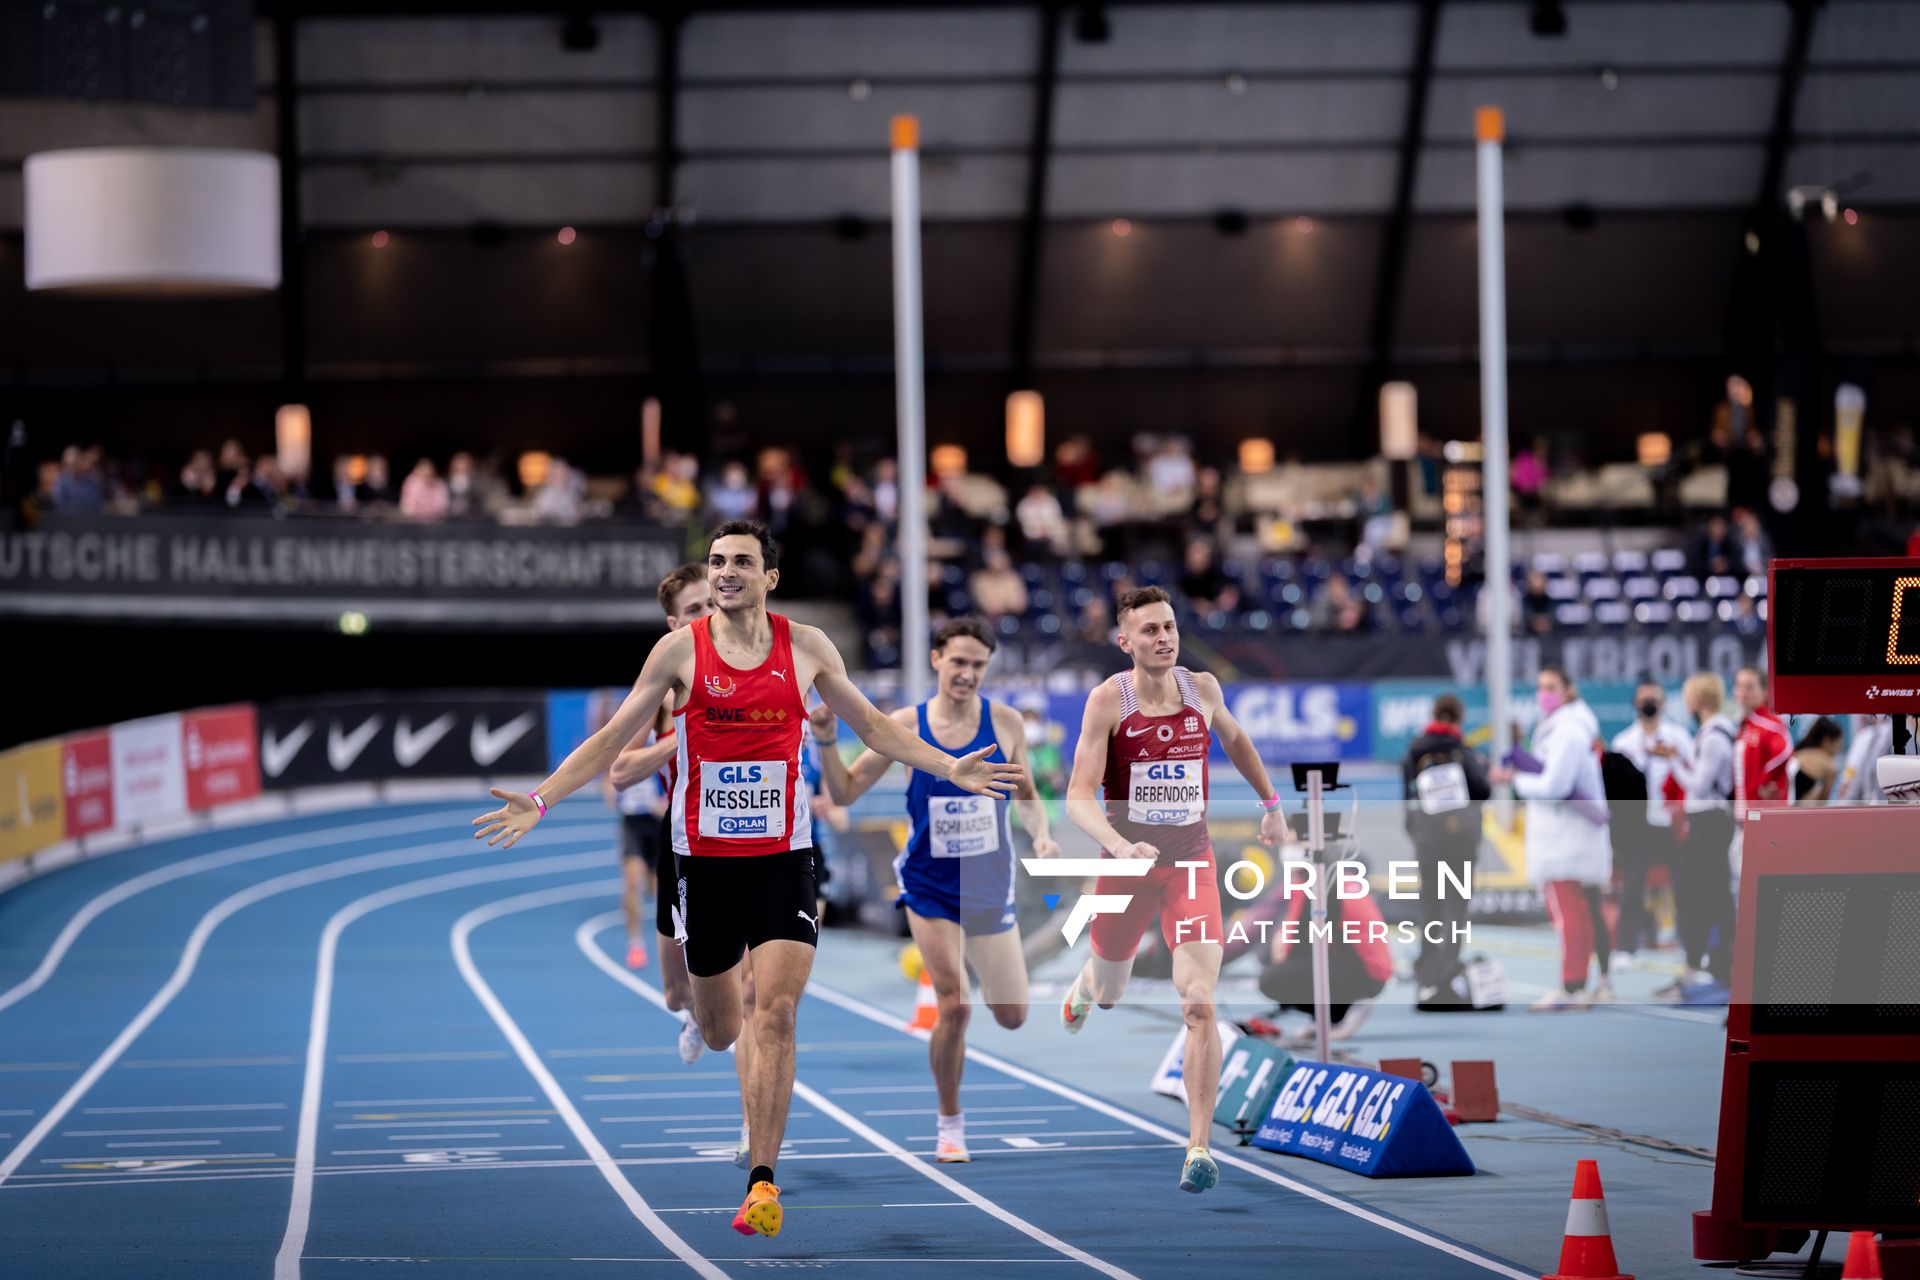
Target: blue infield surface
355,1043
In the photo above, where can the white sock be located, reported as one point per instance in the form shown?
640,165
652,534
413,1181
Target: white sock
743,1133
953,1128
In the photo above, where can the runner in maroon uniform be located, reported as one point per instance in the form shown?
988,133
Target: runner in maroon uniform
741,820
1145,738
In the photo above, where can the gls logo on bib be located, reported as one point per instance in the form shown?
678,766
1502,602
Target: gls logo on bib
744,800
1166,793
962,826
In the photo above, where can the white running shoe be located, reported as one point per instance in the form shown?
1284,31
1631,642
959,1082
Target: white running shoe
1560,1001
692,1045
1074,1009
1603,992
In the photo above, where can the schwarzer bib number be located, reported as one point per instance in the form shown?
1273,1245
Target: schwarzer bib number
962,826
743,799
1166,793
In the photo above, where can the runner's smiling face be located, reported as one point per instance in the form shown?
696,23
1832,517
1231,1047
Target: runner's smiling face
1151,637
960,666
739,578
694,602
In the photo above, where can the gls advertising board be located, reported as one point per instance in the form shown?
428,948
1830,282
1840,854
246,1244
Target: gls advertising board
1376,1125
369,738
1285,721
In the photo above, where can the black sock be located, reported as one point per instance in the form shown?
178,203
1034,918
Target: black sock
760,1173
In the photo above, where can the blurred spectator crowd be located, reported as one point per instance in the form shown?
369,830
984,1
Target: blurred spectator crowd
1269,543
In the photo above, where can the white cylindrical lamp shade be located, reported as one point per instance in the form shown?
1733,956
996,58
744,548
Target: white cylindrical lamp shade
1026,429
293,438
152,219
1399,421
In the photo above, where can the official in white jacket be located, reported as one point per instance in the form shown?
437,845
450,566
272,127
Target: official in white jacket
1568,851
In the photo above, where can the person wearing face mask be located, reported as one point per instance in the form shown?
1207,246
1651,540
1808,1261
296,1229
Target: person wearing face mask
1703,876
1568,852
1652,844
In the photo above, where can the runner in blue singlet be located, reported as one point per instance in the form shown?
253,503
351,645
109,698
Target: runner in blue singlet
956,873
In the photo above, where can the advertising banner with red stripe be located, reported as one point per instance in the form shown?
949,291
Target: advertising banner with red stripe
86,778
221,748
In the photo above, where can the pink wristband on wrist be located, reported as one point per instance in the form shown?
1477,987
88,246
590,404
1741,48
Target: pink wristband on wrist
1271,803
538,803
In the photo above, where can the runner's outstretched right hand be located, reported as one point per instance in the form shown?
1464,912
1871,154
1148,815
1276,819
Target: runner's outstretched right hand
1136,849
972,772
510,821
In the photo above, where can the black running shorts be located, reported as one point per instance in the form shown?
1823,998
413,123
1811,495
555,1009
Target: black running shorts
666,884
642,837
732,905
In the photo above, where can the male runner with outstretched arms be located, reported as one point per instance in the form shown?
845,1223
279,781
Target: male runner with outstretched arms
956,873
1144,739
742,826
685,597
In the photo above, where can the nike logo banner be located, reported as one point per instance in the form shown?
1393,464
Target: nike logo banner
401,735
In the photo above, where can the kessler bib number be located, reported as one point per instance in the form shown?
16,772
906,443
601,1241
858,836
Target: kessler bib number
962,826
744,799
1167,793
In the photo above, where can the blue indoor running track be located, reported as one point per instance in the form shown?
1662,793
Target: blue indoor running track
361,1043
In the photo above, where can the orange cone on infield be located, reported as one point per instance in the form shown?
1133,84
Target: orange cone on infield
1586,1253
1863,1257
926,1009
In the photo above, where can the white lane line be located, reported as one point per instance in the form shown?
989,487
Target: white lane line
198,1106
473,1055
129,1146
1050,1133
1648,1010
320,838
148,1133
170,1064
659,1097
190,959
431,1102
17,1111
486,1150
201,1156
727,1151
583,938
440,1137
711,1115
920,1111
920,1088
300,1209
438,1124
601,1157
90,1178
1220,1155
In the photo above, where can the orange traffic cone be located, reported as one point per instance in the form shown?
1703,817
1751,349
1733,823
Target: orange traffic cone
1863,1257
926,1009
1586,1253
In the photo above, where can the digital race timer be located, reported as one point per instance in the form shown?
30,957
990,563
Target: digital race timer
1844,635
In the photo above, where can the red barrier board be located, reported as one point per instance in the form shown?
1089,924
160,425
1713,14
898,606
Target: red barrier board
222,753
86,773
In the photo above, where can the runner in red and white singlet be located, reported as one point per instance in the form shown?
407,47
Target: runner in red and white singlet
1144,742
742,828
736,786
